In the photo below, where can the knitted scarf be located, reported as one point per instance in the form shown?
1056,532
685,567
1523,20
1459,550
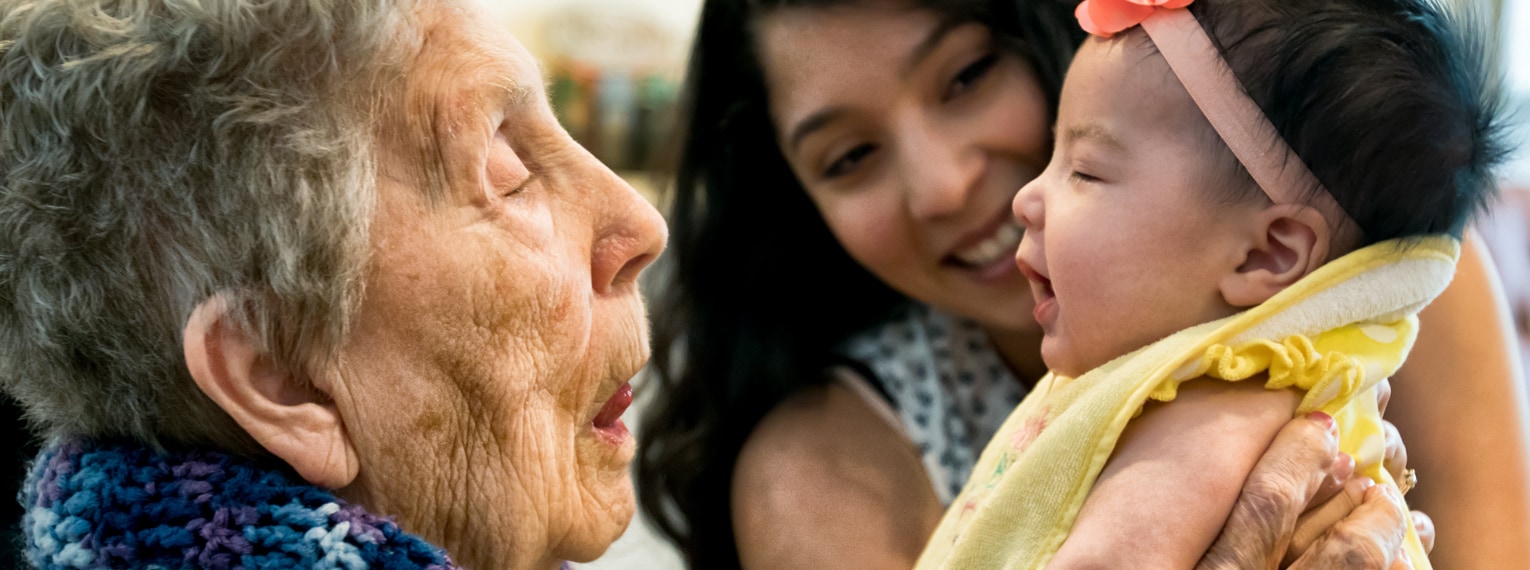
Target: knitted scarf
94,505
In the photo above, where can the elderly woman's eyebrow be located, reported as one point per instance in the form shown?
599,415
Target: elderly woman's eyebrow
503,91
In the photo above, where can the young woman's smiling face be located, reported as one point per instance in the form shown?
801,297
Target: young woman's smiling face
911,135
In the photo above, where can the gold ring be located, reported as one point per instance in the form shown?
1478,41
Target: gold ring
1409,481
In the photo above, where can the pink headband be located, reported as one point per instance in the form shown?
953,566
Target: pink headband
1215,89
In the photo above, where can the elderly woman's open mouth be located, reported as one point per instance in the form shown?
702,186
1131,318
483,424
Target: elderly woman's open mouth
608,423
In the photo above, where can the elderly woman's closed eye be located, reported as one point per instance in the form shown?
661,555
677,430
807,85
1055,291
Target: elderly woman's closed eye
309,283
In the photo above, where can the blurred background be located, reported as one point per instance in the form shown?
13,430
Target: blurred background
1507,227
613,68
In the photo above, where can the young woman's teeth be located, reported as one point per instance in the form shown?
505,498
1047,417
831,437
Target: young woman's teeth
994,248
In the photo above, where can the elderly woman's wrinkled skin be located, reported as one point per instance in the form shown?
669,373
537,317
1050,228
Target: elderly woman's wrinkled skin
499,316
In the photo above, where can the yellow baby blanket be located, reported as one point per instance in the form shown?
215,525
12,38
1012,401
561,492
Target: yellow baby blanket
1333,335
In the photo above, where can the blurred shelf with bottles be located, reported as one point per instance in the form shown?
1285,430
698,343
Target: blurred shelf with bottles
613,70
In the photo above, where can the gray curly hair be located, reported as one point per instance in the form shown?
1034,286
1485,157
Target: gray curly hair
157,152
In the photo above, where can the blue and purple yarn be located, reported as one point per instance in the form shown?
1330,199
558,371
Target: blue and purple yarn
116,505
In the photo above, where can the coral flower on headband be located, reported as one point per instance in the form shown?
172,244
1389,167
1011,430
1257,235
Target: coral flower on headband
1105,18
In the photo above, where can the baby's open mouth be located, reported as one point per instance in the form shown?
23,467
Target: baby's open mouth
1040,284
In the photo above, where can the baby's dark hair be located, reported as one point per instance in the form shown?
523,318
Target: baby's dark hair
1391,103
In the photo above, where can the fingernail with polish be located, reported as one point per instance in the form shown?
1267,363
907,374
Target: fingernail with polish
1326,420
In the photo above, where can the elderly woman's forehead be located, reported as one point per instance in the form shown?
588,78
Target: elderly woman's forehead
459,73
463,50
457,69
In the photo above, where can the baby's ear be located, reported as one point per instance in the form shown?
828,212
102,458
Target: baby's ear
1289,241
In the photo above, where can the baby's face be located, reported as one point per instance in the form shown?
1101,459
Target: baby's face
1127,235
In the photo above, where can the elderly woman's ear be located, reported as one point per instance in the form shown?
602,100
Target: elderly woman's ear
290,417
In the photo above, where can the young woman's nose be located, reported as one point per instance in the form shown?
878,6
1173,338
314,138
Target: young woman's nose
940,174
1028,205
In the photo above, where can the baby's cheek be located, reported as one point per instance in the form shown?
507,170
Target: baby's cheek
1108,315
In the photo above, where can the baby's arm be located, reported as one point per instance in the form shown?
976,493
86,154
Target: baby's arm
1174,476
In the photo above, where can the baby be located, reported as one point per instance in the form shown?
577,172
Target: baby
1248,203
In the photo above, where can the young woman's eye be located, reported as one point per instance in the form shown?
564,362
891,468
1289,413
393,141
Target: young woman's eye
846,163
973,73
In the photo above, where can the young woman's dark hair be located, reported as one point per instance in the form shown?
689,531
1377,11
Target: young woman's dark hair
757,291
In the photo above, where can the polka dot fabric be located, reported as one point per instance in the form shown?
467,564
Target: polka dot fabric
950,388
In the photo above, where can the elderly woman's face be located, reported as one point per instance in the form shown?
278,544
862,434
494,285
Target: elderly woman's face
501,319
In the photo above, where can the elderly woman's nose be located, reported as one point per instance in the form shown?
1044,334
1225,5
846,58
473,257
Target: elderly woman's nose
632,236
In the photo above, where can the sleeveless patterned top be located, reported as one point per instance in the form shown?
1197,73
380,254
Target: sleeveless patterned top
947,383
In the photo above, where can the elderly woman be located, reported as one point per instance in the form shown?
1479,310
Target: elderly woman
309,283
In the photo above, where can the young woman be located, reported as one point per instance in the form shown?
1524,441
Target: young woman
845,326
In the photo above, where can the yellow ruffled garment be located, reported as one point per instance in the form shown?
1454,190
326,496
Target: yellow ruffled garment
1333,335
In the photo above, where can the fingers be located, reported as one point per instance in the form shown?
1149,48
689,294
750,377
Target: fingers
1424,526
1383,394
1338,475
1396,460
1316,522
1295,467
1371,537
